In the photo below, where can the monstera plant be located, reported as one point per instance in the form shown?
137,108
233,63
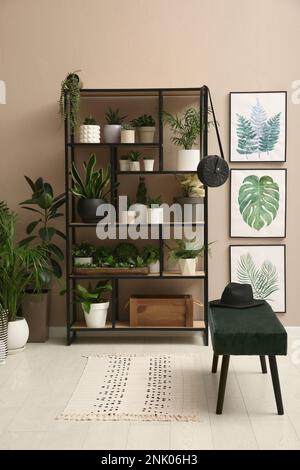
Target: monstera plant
263,279
258,201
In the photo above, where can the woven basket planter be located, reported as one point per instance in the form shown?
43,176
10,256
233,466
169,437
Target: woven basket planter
3,335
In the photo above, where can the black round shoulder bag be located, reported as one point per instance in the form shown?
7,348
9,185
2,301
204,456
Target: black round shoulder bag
213,170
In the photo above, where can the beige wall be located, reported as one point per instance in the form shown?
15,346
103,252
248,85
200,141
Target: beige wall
231,45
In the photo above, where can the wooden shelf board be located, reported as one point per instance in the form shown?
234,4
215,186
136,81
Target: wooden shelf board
80,325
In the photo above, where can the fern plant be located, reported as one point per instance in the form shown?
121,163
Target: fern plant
264,280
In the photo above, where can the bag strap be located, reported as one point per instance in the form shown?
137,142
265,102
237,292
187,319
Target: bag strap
215,122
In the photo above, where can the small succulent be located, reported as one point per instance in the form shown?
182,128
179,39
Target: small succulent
113,117
90,121
146,120
133,156
127,127
154,201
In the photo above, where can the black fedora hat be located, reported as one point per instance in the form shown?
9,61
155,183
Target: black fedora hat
237,296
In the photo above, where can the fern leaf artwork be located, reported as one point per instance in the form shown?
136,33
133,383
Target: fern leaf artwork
263,279
258,118
258,201
246,136
270,134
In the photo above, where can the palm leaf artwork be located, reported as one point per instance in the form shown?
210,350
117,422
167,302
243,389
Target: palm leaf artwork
263,279
258,201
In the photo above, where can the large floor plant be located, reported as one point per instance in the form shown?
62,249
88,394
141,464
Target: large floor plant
21,266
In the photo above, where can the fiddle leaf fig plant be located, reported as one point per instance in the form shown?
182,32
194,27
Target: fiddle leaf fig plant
46,207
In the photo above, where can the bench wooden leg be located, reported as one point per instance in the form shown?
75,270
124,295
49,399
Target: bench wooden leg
276,384
222,384
263,364
214,366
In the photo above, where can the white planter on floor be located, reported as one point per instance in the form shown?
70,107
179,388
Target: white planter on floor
112,133
127,136
148,165
18,333
188,266
96,318
124,165
127,217
134,166
188,160
155,215
154,267
146,134
89,134
79,261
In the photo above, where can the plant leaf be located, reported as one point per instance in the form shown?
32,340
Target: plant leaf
56,251
32,226
47,233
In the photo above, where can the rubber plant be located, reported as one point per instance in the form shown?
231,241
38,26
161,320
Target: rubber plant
69,99
46,207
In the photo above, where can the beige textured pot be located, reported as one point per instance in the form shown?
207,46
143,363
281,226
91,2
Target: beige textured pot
146,134
35,309
89,134
127,136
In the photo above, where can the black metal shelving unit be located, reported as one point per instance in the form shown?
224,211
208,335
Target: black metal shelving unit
71,149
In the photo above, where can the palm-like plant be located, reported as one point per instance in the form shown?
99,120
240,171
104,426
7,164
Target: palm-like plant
96,183
264,280
21,266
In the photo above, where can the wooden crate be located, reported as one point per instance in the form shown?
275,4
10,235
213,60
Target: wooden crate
161,310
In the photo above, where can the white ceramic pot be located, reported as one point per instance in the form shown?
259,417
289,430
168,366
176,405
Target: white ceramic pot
154,267
89,134
146,134
148,165
18,333
111,133
155,215
96,318
79,261
127,136
188,160
134,166
188,266
141,212
124,165
127,217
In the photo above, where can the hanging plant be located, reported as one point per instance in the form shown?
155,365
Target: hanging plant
70,98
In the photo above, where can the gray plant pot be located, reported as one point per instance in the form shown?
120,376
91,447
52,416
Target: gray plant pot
87,209
197,207
35,310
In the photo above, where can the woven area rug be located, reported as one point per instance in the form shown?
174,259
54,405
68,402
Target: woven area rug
133,387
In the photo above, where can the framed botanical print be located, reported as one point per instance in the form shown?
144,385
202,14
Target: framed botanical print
258,126
264,267
258,203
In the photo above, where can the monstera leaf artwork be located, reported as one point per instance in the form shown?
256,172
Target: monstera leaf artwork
263,279
258,201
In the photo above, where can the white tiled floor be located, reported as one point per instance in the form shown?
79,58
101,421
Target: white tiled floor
35,386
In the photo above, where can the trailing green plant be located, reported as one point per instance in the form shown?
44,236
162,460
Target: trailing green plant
90,121
150,254
91,295
263,279
95,184
154,201
83,249
70,98
21,266
126,251
187,128
113,117
145,120
187,250
46,206
133,156
191,186
141,193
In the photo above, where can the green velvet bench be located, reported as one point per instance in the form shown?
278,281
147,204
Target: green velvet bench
254,331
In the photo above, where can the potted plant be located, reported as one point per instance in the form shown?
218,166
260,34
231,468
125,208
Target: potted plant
155,212
141,207
128,216
89,131
127,134
150,256
83,253
148,163
112,129
133,157
193,193
21,267
70,98
46,207
93,304
186,253
124,163
91,190
145,125
186,130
